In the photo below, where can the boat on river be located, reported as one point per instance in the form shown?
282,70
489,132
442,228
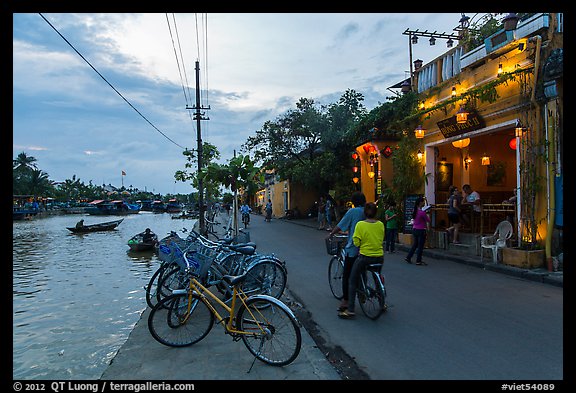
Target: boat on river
137,242
103,226
117,207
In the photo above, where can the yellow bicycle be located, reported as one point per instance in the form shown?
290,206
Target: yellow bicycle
268,328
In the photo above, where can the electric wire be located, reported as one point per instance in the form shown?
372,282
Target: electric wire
109,84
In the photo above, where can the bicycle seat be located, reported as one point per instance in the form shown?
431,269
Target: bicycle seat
374,267
242,248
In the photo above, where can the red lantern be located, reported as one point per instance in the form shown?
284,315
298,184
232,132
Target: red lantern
512,143
366,149
355,169
371,149
354,156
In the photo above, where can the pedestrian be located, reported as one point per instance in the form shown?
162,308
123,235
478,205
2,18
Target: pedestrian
454,210
391,218
321,213
348,224
421,222
328,212
269,211
368,237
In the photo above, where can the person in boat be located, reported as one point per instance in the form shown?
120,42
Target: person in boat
80,224
148,236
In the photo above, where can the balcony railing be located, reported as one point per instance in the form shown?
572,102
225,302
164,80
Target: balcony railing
454,61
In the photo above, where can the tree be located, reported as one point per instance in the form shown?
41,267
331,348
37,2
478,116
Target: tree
310,144
24,162
209,154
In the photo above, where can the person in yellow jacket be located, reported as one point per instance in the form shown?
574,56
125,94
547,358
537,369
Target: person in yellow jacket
369,237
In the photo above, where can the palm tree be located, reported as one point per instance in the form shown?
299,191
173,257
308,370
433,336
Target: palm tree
38,183
23,161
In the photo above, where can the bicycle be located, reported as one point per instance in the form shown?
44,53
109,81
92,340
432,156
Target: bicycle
245,219
268,328
371,289
266,273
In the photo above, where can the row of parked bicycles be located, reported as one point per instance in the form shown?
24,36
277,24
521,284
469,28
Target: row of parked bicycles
202,281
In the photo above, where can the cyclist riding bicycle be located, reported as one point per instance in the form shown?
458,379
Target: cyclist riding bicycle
369,237
245,210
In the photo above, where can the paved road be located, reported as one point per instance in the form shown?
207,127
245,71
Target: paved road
446,321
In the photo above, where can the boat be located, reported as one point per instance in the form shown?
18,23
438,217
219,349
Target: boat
117,207
173,206
136,242
103,226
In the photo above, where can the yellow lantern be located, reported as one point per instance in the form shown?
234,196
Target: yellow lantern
462,115
419,132
462,143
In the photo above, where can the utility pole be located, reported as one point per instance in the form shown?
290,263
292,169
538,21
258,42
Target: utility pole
199,116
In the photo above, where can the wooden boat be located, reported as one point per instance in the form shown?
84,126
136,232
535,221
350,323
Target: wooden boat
136,242
103,226
117,207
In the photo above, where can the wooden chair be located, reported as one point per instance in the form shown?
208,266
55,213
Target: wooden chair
496,241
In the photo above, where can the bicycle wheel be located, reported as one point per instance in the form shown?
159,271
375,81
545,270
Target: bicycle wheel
265,277
175,278
180,320
152,286
371,296
274,335
335,273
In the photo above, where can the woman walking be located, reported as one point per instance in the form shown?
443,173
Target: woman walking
419,227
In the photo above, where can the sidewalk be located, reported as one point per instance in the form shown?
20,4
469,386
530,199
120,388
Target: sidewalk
538,274
216,357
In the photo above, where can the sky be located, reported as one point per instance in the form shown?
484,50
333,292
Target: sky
98,94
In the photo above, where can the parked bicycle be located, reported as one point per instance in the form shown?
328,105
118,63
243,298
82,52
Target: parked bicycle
268,328
371,289
266,273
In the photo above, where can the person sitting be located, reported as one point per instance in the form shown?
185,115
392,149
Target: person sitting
80,224
471,200
148,236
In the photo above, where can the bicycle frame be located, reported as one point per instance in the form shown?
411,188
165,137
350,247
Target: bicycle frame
197,288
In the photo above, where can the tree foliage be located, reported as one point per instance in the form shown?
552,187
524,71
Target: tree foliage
310,144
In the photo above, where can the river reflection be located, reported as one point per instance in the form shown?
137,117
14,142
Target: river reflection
77,297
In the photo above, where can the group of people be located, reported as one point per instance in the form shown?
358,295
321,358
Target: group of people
456,214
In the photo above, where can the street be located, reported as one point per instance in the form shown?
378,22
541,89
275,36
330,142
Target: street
445,321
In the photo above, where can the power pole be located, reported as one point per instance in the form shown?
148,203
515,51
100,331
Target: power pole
199,116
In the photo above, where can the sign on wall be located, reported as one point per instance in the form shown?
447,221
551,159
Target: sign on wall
449,127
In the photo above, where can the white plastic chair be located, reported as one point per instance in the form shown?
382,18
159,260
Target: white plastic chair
496,241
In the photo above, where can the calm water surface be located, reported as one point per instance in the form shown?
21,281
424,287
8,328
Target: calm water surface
76,297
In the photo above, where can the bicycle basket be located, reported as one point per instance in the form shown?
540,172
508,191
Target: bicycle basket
198,263
334,243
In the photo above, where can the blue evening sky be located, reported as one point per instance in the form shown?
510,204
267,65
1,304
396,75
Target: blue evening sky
253,68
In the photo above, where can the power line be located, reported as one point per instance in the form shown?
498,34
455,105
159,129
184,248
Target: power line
109,84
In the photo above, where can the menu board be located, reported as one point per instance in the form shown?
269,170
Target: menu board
409,206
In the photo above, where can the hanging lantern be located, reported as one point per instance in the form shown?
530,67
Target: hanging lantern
512,143
462,115
366,149
462,143
419,132
420,154
371,149
355,169
355,179
371,174
485,159
354,156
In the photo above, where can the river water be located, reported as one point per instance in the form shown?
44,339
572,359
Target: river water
77,297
